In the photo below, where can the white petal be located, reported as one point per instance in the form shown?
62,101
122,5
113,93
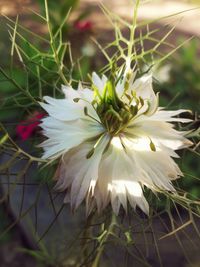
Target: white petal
144,89
88,174
82,93
120,88
98,82
67,109
63,109
81,173
165,115
66,135
117,170
135,196
157,167
159,131
70,93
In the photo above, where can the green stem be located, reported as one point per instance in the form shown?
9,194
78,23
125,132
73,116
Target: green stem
60,66
19,150
25,92
86,234
132,30
104,238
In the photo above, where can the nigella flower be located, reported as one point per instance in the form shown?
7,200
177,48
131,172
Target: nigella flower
113,141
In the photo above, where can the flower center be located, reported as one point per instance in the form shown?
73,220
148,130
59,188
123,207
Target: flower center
113,119
114,113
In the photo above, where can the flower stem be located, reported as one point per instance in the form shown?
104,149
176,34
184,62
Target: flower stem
104,238
52,43
132,30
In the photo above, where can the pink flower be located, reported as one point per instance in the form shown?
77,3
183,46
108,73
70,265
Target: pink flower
26,128
83,26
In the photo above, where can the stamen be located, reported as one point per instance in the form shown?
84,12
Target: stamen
91,152
114,113
141,100
88,115
76,99
134,109
152,146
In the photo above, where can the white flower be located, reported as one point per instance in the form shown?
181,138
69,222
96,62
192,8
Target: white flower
113,141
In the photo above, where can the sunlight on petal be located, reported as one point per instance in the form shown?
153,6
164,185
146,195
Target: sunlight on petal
139,144
116,142
92,186
132,187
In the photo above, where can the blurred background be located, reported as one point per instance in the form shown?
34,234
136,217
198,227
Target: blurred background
177,79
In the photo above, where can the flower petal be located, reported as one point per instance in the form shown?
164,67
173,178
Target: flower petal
67,109
159,131
63,136
99,82
117,171
63,109
80,172
144,89
167,116
70,93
